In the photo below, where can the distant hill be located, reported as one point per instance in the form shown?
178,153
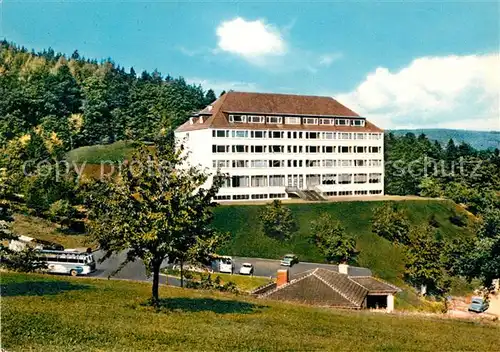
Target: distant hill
477,139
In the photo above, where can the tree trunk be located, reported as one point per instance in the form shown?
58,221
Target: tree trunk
156,283
182,272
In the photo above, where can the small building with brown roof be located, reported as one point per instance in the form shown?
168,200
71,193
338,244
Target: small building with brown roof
322,287
278,146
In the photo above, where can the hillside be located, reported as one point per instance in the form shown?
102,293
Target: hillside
378,254
477,139
41,313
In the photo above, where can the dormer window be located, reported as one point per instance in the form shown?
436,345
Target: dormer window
310,121
238,118
274,119
256,119
292,120
326,121
342,122
358,122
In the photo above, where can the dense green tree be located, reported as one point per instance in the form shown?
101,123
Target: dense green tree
277,221
155,209
332,240
210,97
391,223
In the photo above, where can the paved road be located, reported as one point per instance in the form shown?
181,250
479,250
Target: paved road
262,267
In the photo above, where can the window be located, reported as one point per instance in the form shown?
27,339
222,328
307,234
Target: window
312,135
375,149
241,196
313,163
375,162
375,135
259,163
328,135
359,136
240,163
220,163
259,196
276,149
359,162
292,120
345,179
375,192
256,119
345,193
226,181
239,181
326,121
358,122
276,134
258,134
344,135
344,149
360,178
294,163
330,194
276,163
240,148
328,149
258,148
312,149
239,134
329,163
310,121
329,179
345,163
277,195
375,178
359,150
222,197
342,122
238,118
276,180
220,148
220,133
259,181
274,119
360,193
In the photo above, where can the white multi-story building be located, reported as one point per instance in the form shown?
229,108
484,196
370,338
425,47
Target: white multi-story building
278,146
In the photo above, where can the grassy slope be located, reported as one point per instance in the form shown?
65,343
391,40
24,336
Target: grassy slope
378,254
94,154
45,230
41,313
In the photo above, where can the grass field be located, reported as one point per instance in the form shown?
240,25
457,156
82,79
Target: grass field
48,313
45,230
378,254
95,154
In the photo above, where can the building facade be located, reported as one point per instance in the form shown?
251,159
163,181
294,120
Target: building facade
277,146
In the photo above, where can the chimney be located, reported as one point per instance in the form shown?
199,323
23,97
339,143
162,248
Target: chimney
282,278
191,120
210,107
344,269
200,119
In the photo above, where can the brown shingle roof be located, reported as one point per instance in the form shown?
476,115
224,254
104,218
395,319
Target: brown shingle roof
327,288
274,104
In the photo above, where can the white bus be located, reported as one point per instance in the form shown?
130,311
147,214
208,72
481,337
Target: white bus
67,262
226,265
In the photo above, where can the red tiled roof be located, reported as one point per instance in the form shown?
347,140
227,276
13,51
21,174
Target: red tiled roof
274,104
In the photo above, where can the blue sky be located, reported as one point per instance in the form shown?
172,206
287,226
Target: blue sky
412,64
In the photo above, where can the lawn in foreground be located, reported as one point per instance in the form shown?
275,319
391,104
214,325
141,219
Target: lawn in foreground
43,313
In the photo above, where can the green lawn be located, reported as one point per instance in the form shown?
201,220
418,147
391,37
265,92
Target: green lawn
94,154
242,282
55,313
378,254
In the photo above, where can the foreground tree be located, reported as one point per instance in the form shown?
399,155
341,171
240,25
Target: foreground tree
277,221
155,209
391,223
331,239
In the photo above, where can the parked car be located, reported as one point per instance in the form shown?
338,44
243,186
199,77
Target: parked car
226,265
246,269
478,305
289,260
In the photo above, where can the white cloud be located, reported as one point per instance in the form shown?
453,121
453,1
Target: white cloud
446,92
250,39
219,86
328,59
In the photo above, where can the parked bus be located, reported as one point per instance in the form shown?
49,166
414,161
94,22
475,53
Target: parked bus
68,262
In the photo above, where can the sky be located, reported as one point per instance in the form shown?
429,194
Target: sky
412,64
